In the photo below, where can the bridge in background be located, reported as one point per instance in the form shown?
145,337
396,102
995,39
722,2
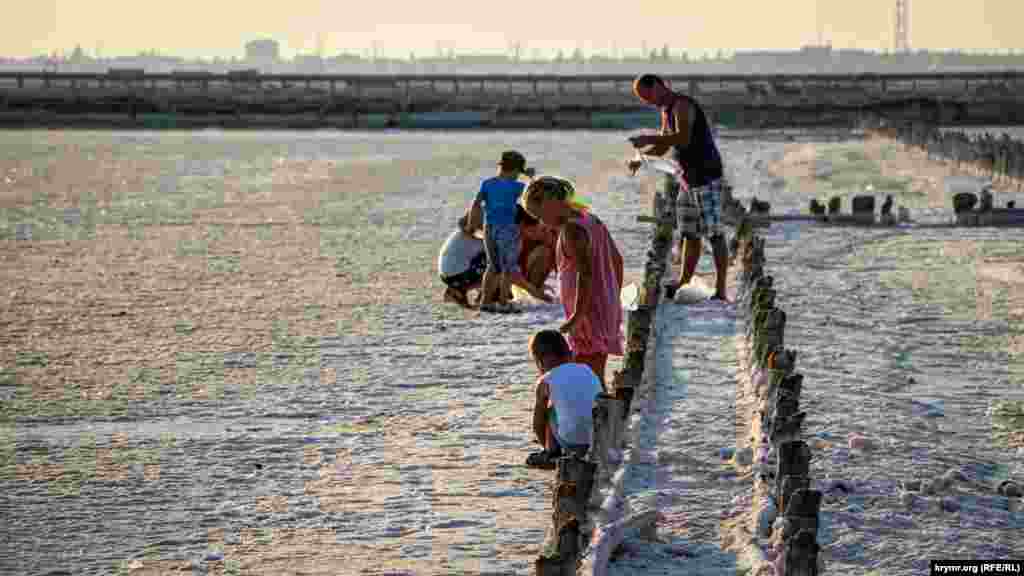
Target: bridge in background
244,97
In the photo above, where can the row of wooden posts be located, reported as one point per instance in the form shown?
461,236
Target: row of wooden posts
1000,159
862,212
578,507
784,508
776,432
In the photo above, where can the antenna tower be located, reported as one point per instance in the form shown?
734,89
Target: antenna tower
902,44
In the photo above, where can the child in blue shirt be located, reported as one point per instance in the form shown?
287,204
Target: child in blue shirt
499,198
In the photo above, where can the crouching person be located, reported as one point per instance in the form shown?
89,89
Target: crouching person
563,411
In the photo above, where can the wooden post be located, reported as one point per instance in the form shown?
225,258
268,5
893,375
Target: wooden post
787,418
758,286
863,208
757,257
608,422
564,563
834,205
780,364
761,302
768,334
800,534
794,459
575,480
789,486
801,555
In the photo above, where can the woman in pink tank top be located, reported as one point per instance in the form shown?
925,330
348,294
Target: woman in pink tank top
589,272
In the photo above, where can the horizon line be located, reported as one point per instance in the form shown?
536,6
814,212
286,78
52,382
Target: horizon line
535,56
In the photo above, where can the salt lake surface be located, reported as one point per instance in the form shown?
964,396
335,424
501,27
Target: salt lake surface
227,351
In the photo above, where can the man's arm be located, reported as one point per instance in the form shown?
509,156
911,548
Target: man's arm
681,137
656,149
540,412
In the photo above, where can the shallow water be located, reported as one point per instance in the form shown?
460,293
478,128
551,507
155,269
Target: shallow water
307,399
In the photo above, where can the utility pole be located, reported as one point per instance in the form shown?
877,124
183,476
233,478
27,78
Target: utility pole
901,40
820,22
320,51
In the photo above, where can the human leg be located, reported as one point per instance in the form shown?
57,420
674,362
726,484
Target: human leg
538,266
488,291
711,213
505,296
547,458
507,244
456,287
692,250
491,280
474,280
454,296
721,256
537,273
688,217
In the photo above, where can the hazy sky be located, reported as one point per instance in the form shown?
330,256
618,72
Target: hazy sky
208,28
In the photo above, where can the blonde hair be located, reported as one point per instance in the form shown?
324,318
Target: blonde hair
550,188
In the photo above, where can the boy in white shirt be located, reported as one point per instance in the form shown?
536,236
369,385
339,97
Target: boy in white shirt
566,390
461,264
